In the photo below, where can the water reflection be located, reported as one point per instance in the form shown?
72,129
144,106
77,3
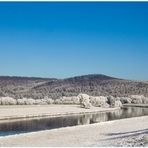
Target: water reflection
51,123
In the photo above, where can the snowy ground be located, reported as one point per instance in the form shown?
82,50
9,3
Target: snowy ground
125,132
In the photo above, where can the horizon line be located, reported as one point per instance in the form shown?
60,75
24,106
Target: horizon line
58,78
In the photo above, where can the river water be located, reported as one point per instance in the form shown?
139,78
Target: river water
31,125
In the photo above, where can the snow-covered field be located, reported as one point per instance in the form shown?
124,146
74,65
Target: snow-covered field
29,111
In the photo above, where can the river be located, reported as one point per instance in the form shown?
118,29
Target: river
11,127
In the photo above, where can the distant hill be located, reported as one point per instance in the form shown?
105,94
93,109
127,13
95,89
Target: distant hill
94,84
18,86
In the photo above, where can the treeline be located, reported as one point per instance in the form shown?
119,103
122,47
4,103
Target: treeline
82,99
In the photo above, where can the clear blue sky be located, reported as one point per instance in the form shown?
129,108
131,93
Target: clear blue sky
67,39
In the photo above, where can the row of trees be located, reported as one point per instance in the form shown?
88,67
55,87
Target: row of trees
84,99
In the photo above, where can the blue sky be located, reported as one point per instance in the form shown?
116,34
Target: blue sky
67,39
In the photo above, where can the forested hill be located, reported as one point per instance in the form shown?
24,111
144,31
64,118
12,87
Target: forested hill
95,84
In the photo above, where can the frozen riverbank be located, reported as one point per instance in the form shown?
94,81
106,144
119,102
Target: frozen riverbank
136,105
112,133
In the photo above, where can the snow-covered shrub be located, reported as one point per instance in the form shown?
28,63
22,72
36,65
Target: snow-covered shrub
20,101
58,101
7,101
49,101
25,101
41,102
117,98
125,100
111,101
70,100
118,103
29,101
144,100
76,99
99,101
84,101
66,100
37,102
137,99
